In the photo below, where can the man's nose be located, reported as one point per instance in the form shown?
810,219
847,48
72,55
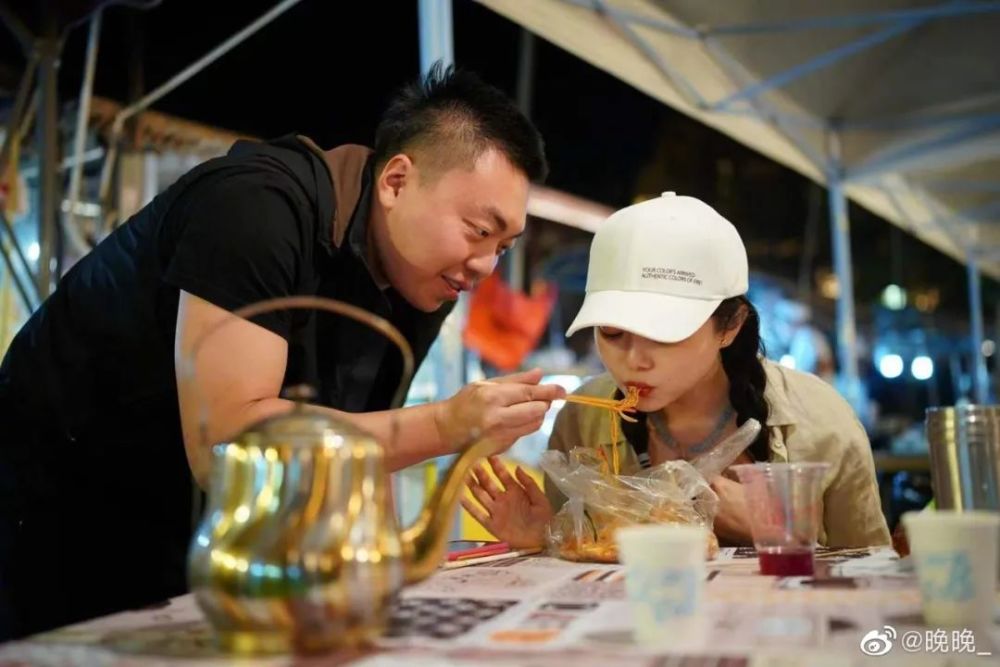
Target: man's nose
481,265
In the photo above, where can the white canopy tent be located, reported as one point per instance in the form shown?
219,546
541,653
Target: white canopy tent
892,104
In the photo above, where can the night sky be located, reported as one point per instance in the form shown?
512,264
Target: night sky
326,69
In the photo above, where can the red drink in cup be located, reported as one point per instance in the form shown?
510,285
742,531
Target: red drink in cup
782,562
783,502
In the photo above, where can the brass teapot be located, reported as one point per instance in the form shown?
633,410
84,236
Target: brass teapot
299,548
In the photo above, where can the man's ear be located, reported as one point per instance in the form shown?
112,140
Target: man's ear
397,173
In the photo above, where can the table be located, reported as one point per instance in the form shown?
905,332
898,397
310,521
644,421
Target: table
542,612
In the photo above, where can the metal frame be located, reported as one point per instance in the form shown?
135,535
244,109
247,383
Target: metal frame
980,377
526,72
71,230
945,10
29,115
49,47
917,122
622,21
631,17
821,61
43,52
10,248
17,28
944,223
981,212
436,27
788,124
840,236
955,143
960,186
18,110
919,226
513,263
29,297
168,86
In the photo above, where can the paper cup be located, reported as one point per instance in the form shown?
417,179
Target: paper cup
665,581
955,555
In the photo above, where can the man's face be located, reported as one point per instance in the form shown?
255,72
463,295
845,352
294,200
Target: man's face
440,238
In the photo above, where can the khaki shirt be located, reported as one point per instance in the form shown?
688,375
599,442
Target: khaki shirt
808,422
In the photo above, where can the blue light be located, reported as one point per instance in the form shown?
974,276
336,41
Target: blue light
890,366
922,368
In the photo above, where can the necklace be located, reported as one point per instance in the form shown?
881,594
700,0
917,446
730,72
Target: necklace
659,423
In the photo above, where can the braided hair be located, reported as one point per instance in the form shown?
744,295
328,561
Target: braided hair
741,361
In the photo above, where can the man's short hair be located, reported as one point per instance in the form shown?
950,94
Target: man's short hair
450,118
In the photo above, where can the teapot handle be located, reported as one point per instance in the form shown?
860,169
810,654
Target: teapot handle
379,324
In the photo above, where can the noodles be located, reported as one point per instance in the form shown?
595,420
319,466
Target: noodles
618,409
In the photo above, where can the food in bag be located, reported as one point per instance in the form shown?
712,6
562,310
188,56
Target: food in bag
599,503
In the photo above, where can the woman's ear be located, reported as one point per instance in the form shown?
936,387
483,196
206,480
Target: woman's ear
733,326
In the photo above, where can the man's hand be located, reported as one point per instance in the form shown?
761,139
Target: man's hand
502,409
517,514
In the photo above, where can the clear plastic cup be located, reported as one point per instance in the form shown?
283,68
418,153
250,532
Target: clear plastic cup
665,581
955,555
783,500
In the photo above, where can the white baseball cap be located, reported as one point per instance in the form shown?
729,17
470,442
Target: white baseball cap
659,269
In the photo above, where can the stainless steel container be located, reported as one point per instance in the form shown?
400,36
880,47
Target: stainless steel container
964,445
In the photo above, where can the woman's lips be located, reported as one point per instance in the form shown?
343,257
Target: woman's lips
644,389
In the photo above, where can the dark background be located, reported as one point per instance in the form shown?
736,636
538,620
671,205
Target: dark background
326,69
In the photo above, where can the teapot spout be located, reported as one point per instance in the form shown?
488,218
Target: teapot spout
424,541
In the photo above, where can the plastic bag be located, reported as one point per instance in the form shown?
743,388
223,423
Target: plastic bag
598,504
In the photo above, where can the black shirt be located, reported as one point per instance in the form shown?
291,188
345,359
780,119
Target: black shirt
92,448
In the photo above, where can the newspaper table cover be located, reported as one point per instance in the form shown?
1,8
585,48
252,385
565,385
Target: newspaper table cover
862,607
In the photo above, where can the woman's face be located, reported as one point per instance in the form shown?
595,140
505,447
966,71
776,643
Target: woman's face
663,372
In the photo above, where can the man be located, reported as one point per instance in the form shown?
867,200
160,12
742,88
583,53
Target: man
101,430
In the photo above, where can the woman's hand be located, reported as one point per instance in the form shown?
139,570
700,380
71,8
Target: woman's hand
732,521
517,514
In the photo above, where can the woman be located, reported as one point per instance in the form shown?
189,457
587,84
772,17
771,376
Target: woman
666,298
